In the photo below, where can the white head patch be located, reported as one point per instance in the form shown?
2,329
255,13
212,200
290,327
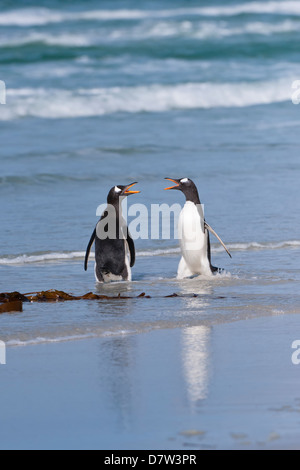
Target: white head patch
117,190
184,180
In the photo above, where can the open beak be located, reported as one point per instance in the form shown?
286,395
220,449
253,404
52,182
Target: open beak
127,190
173,181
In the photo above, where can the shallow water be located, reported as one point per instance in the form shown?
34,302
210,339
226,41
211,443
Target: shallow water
104,96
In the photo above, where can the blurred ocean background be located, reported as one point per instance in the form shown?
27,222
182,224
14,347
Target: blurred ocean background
109,92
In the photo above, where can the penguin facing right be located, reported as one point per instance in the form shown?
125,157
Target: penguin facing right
194,233
114,247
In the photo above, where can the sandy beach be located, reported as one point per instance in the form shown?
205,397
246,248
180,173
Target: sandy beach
232,386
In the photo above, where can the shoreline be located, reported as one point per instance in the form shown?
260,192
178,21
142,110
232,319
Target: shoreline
146,327
229,386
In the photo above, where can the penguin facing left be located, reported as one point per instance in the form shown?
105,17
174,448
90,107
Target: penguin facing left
114,247
194,233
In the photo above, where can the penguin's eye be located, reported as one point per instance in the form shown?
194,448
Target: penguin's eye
184,180
117,190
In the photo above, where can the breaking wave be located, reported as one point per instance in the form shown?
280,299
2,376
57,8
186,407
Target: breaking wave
62,104
27,17
32,258
201,30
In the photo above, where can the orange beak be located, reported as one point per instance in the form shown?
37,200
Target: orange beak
173,181
127,191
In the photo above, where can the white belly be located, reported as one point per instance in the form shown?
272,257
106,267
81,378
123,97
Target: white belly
193,240
111,278
127,262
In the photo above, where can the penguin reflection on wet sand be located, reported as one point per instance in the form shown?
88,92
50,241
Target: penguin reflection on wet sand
194,234
114,247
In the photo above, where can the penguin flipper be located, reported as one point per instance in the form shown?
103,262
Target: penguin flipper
217,236
88,250
131,249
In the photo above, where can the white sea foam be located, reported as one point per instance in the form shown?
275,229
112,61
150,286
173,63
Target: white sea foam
30,17
162,29
74,255
79,255
200,30
50,39
41,16
165,252
259,246
42,340
63,339
220,30
268,7
62,104
41,258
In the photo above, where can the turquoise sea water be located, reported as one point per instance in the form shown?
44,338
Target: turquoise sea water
102,93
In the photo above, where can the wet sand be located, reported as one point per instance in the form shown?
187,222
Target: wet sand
230,386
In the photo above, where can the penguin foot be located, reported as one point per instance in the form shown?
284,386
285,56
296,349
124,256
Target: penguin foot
215,270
